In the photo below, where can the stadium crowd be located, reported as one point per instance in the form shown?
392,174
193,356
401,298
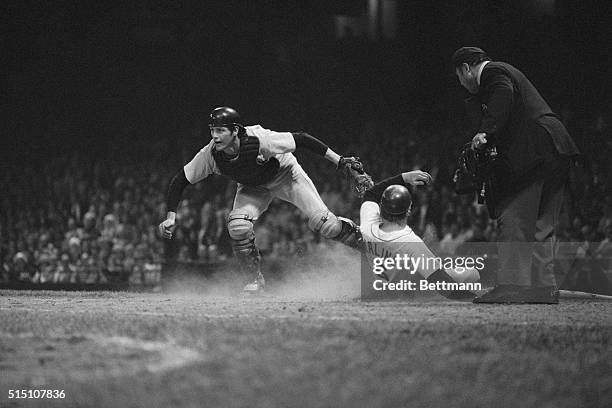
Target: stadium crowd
92,218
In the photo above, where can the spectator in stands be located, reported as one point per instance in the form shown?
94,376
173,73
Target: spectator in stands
65,271
47,265
81,196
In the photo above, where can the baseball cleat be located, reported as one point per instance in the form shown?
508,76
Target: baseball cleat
257,286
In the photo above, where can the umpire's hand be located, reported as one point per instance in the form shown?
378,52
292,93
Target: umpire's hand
166,228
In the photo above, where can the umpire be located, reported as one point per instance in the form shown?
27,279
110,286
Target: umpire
528,178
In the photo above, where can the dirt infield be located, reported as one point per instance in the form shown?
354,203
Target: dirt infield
172,350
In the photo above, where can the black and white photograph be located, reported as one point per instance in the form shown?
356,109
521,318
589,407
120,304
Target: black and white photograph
306,203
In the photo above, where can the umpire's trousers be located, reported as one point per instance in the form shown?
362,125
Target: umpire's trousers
526,228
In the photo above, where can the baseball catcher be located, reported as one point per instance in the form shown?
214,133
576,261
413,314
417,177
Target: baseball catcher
262,163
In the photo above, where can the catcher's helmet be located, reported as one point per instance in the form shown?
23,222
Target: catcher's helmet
224,116
395,201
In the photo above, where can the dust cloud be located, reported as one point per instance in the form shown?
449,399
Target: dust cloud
330,272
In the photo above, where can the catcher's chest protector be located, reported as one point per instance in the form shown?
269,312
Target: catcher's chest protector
244,168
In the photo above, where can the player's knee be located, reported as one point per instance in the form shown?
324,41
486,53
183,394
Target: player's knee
325,223
240,225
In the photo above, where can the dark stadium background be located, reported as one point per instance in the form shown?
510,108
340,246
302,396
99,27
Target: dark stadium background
86,72
104,101
111,96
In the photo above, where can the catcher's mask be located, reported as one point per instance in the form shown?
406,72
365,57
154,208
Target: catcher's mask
224,116
395,201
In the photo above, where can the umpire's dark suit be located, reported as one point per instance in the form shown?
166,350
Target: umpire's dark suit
530,175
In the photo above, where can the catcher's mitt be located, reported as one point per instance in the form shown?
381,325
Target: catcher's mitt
359,180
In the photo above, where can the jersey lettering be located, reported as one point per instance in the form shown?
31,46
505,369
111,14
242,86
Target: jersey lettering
378,251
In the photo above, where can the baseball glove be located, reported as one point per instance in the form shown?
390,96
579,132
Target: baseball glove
359,180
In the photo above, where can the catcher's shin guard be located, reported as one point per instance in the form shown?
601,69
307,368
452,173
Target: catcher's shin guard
248,255
240,227
350,234
337,228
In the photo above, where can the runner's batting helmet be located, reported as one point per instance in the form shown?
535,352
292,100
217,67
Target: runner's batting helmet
395,201
224,116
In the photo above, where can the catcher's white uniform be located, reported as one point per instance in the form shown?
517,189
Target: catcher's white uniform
291,183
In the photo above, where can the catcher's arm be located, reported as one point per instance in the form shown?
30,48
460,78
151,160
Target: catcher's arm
309,142
175,190
350,166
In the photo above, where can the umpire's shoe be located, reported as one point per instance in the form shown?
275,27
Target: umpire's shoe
257,286
512,294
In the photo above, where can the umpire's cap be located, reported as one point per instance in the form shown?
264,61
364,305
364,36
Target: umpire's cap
395,201
224,116
469,55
